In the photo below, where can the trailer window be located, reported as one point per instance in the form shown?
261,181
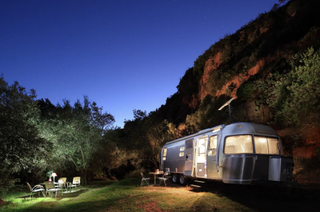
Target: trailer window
238,144
266,145
181,153
189,144
213,142
202,147
164,155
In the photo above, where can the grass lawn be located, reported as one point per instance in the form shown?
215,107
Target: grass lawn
125,195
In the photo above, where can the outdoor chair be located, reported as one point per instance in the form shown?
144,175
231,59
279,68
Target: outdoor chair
75,183
61,183
144,179
164,178
36,189
50,188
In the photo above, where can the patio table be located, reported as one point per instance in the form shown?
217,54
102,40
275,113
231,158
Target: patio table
155,176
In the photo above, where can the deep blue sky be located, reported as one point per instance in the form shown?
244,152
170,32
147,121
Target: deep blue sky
122,54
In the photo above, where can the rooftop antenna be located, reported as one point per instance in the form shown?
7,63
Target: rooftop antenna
228,103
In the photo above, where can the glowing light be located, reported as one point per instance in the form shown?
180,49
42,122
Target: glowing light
216,129
262,140
54,175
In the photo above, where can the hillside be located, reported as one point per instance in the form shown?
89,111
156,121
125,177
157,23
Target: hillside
271,67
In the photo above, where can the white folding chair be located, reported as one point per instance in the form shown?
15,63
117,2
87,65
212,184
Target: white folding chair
75,183
144,179
50,188
36,189
164,178
61,183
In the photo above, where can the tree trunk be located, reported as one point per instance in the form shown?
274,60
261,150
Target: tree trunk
84,177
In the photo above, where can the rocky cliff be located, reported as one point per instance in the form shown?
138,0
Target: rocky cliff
259,66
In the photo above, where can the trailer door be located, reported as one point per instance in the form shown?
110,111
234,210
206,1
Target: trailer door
189,158
201,157
212,157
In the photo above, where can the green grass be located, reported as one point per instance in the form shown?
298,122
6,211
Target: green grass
124,195
127,195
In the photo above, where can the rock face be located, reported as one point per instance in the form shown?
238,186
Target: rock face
240,64
211,65
310,142
237,81
257,112
305,142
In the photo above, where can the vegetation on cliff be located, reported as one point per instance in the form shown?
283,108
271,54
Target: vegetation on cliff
271,67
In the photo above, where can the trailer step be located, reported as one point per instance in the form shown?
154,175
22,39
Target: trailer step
199,181
195,186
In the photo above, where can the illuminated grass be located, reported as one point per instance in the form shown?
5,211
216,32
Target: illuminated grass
125,195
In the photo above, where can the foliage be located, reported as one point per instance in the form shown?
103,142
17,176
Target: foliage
207,115
75,132
6,182
296,94
199,64
49,173
157,135
21,147
112,155
246,91
146,135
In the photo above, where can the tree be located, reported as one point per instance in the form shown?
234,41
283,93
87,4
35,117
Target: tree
113,156
75,132
157,135
145,136
21,147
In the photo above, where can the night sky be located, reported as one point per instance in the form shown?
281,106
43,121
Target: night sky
122,54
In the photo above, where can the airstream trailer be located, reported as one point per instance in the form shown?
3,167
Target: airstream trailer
239,153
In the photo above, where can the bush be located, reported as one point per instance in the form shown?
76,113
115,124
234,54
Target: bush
5,183
296,94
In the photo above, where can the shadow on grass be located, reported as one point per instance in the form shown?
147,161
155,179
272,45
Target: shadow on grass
266,198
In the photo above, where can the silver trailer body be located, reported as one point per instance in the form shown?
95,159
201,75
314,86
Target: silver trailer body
239,153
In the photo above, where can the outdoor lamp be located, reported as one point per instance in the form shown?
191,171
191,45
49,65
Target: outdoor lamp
53,175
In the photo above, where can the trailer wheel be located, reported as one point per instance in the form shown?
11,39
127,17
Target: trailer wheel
175,178
182,179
